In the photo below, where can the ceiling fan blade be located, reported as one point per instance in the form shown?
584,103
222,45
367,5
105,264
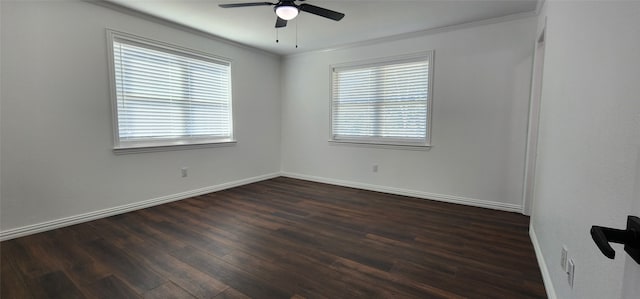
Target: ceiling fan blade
323,12
232,5
281,23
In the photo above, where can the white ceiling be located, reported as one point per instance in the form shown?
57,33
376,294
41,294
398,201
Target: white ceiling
364,20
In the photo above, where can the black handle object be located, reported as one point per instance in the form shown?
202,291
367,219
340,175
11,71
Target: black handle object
603,235
630,237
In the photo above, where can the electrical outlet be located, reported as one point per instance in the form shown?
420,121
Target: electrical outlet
571,270
184,172
375,168
563,258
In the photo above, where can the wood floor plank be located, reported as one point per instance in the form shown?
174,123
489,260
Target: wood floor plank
229,274
54,285
388,284
274,274
314,264
281,238
135,272
185,276
87,273
146,231
168,290
12,284
25,254
110,287
232,293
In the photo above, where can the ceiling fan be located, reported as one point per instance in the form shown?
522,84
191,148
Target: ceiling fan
287,10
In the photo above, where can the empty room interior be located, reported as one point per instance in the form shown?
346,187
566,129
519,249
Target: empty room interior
355,149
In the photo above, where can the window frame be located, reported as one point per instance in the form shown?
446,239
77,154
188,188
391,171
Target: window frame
424,55
179,143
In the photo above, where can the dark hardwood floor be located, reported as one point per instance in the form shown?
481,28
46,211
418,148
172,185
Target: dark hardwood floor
281,238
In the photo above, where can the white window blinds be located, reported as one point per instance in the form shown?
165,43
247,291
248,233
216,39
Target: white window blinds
167,95
384,102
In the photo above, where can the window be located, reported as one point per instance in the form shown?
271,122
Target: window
164,95
383,102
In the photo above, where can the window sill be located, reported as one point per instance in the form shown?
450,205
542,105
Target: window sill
415,147
136,149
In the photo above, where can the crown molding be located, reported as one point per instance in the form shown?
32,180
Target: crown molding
175,25
420,33
396,37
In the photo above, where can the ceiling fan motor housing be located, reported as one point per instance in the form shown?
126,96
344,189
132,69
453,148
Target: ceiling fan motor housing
286,10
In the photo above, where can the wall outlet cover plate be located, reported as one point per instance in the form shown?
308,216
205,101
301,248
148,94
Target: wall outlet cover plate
571,270
563,258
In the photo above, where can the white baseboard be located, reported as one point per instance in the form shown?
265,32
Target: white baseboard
413,193
546,276
67,221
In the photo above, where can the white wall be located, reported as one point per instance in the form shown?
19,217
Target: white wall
56,131
480,108
589,148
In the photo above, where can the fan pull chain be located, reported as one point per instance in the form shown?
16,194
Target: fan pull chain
296,33
277,40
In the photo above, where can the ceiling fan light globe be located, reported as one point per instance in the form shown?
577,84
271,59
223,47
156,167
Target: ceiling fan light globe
287,12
